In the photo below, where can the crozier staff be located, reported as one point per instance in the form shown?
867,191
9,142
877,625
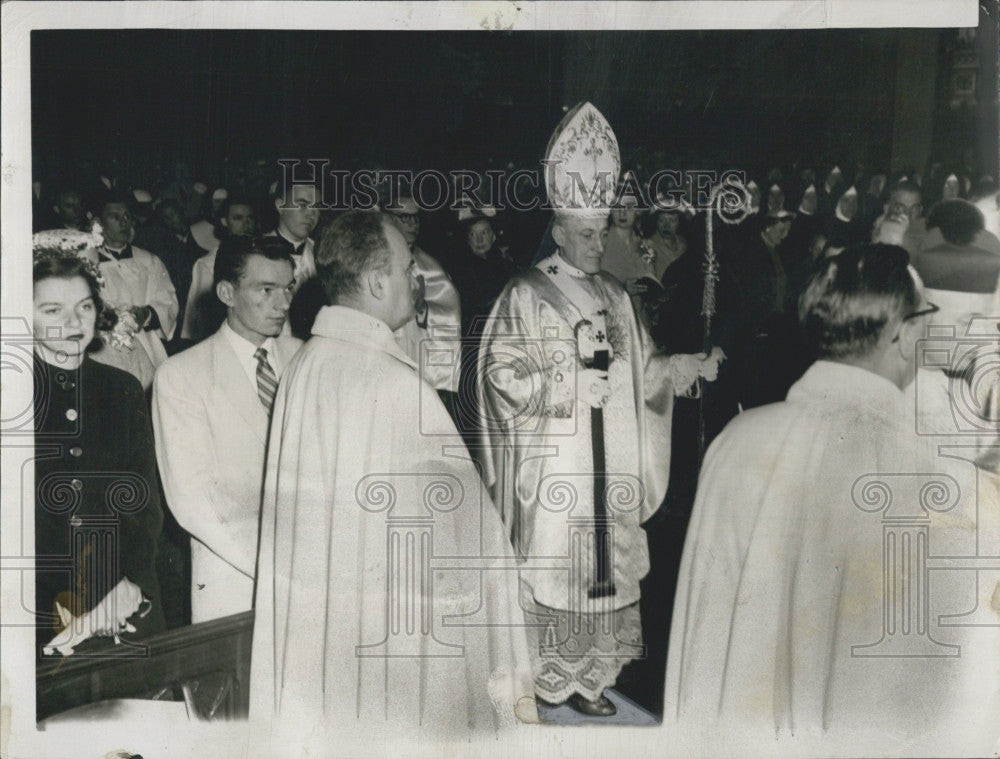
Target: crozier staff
561,423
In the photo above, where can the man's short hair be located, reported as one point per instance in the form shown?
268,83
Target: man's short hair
852,296
234,250
959,221
352,245
287,183
117,197
234,200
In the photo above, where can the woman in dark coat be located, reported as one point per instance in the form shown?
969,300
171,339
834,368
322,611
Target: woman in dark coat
97,505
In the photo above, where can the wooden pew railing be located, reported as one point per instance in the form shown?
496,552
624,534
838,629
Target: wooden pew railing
207,665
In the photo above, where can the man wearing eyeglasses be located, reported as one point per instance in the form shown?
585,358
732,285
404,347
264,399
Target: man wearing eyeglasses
437,326
902,221
803,623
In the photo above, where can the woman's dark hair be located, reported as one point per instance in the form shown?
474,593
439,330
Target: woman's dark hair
638,227
958,220
647,221
68,266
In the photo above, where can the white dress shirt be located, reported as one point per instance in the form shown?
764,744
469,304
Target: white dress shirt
245,351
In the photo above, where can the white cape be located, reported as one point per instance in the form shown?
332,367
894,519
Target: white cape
356,481
784,639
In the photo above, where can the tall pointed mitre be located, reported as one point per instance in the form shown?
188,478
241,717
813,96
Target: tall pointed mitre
582,163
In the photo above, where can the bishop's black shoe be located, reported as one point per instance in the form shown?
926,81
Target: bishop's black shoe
602,707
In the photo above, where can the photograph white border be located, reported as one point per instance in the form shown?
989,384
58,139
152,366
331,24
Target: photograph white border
19,737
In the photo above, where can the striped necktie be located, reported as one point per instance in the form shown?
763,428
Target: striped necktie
267,381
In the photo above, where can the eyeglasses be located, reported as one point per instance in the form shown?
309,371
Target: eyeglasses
900,209
932,308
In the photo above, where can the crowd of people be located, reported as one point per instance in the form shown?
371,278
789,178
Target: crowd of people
251,363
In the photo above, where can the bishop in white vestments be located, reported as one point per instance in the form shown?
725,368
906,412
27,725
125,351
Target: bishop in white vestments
577,413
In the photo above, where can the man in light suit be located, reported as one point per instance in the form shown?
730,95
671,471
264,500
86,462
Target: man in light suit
211,406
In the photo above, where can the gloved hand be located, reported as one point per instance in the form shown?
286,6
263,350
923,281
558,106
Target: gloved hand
685,368
709,369
109,617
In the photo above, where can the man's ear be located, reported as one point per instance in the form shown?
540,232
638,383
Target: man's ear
224,222
226,292
375,279
559,235
909,332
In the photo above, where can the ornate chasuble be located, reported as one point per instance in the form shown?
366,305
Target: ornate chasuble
542,465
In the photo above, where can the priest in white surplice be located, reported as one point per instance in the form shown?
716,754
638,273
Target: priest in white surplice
576,404
357,632
816,611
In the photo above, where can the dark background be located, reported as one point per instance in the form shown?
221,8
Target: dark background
137,102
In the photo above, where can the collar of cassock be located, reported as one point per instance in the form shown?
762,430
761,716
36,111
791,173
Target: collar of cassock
111,254
560,265
838,384
298,248
353,326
